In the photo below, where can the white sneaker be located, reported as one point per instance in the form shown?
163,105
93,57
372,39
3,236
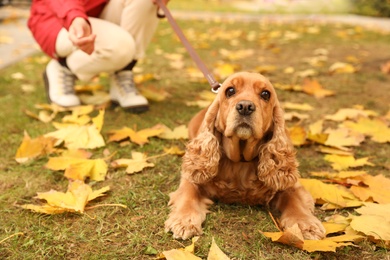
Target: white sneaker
59,84
124,92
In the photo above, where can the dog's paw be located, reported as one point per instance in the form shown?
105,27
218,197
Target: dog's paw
184,226
310,226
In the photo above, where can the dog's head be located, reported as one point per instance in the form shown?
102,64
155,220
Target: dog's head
245,122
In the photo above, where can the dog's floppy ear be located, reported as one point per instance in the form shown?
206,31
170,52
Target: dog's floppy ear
200,162
278,167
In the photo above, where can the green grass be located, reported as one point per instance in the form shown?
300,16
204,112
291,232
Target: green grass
117,233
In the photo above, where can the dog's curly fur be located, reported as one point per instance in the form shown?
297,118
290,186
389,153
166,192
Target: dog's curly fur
240,152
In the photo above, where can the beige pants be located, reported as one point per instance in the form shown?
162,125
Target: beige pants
123,33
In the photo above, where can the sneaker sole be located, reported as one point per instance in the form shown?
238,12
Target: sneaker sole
133,109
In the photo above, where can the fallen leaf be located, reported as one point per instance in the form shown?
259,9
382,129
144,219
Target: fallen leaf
74,200
180,132
350,113
342,137
314,88
138,137
216,253
79,137
297,135
297,106
134,165
377,129
79,168
330,193
342,162
30,149
342,68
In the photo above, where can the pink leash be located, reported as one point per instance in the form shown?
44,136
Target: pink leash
195,57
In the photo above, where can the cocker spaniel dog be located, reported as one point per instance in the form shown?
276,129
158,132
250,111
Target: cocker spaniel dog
239,152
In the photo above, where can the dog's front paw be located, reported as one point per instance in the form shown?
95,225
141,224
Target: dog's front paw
310,226
184,226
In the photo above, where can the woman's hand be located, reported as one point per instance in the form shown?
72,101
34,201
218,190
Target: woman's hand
80,34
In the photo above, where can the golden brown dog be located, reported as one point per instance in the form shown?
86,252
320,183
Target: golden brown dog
240,153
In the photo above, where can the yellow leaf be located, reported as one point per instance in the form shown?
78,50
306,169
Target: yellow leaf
291,115
341,67
75,137
334,227
138,79
342,162
236,55
377,188
350,113
322,192
314,88
332,150
140,137
288,87
376,128
216,253
297,106
154,94
43,116
297,135
373,226
224,70
342,137
99,119
79,168
180,132
46,209
291,236
32,148
137,164
265,69
175,150
322,245
177,254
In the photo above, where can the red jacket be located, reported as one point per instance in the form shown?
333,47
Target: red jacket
47,17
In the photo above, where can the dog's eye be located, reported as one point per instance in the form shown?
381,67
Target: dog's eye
230,91
265,95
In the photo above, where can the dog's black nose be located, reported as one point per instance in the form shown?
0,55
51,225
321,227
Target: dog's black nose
245,107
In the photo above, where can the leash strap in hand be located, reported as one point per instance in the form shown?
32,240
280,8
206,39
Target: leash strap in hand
195,57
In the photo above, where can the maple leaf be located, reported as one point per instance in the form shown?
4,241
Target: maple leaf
291,115
297,135
43,115
75,137
223,70
376,188
341,162
32,148
293,236
216,253
137,164
314,88
154,94
74,200
182,253
174,150
350,113
342,137
329,150
180,132
298,88
342,67
376,227
79,168
96,97
375,128
140,137
330,193
297,106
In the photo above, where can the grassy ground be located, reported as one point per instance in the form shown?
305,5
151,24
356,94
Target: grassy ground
116,233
